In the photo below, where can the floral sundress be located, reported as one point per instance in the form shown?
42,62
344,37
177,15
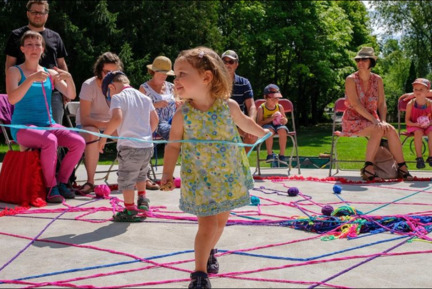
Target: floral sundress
215,176
352,121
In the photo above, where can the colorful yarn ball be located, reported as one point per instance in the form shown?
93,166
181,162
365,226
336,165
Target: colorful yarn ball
327,210
177,182
344,211
337,189
102,191
293,191
255,200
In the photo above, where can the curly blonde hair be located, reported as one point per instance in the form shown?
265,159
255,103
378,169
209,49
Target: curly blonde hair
205,59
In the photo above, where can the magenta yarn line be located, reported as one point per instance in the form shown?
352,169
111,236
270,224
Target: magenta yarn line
430,251
361,263
413,227
314,262
33,239
229,275
98,249
285,281
128,271
365,184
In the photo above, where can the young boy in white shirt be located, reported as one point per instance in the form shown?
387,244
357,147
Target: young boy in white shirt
133,116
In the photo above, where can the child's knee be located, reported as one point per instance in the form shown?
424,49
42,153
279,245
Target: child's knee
282,132
418,133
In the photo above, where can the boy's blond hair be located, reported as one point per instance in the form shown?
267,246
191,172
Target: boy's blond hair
203,59
121,78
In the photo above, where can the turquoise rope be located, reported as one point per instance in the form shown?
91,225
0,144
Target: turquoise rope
19,126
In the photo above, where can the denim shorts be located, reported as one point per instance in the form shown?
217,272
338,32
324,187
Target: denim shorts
276,127
133,166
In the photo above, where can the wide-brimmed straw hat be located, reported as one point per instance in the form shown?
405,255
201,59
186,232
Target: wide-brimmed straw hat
161,64
366,52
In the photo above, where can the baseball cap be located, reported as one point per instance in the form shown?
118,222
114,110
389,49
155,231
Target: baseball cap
422,81
230,54
108,80
272,89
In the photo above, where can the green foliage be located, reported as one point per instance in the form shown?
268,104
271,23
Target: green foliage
305,47
407,45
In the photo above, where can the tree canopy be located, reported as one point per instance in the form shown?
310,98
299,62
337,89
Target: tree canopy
305,47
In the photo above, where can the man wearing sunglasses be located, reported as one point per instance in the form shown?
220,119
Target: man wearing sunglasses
54,54
242,92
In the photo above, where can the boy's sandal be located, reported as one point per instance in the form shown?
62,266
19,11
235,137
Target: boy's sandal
405,175
429,161
368,175
83,191
126,216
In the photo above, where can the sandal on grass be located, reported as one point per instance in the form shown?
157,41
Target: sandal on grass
83,191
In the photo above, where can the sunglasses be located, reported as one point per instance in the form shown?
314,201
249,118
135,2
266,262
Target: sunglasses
361,59
231,61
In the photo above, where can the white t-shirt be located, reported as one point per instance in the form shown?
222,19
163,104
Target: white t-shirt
136,108
99,109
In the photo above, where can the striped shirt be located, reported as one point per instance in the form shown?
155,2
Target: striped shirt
241,91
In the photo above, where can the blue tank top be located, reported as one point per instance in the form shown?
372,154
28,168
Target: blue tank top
31,109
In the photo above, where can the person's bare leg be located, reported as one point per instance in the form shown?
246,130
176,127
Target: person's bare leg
91,154
430,143
375,135
204,239
395,145
282,140
269,145
222,219
418,143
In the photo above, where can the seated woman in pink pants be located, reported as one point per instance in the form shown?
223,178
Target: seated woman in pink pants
29,87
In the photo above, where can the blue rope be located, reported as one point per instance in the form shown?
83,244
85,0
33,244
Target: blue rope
19,126
101,266
219,250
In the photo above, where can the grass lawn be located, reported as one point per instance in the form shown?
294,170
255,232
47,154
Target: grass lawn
312,141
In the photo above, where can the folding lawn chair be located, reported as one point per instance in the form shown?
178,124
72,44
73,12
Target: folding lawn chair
292,134
339,109
404,135
6,110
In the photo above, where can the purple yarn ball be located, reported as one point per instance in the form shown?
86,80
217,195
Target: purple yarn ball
293,191
327,210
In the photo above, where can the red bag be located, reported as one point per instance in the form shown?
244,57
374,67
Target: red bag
21,179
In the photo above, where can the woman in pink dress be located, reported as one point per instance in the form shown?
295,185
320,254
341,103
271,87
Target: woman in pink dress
366,114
